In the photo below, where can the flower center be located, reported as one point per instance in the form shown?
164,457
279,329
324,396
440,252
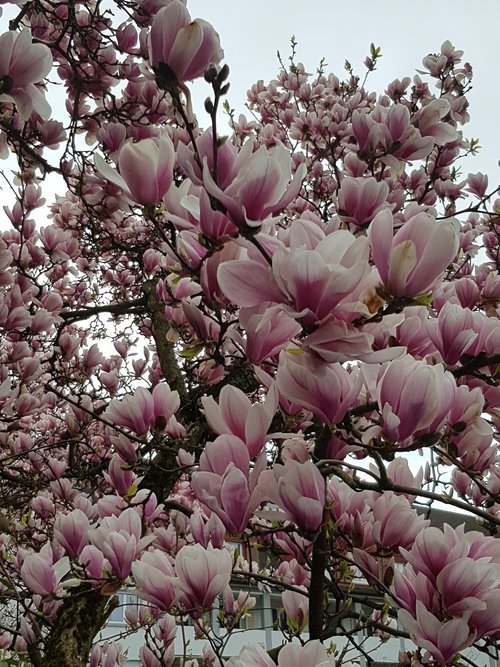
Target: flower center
5,84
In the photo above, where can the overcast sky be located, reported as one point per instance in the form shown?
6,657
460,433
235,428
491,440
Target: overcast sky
252,32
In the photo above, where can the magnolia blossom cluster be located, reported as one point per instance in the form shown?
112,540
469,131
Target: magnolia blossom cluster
217,352
449,590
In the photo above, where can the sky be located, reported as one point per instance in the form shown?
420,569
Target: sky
252,32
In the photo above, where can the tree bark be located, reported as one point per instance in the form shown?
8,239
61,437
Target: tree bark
82,615
317,585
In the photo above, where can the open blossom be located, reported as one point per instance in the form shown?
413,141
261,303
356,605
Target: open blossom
396,524
414,398
41,575
144,410
263,184
155,578
236,414
119,539
299,490
202,575
187,47
429,120
146,169
252,656
327,390
360,199
419,252
311,282
224,483
449,589
452,332
312,654
22,65
442,640
267,331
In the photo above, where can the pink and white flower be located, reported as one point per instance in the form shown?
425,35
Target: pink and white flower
41,575
236,414
299,489
144,410
22,65
414,398
420,251
146,169
187,47
202,575
263,184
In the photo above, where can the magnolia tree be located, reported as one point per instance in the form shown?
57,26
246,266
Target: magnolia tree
209,339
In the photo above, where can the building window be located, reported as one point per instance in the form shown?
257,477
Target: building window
125,601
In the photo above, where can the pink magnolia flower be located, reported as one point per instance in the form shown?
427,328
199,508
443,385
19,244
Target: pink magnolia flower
477,184
453,332
263,184
41,575
92,559
360,199
120,549
405,141
146,169
204,532
120,475
337,341
434,549
451,577
312,654
71,531
214,224
144,410
475,447
299,490
119,539
414,397
442,640
236,414
327,390
463,583
316,281
296,606
202,575
313,282
22,65
429,122
154,575
252,656
398,471
224,485
267,332
187,47
418,254
149,659
395,523
226,166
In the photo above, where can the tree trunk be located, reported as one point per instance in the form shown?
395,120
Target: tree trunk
82,615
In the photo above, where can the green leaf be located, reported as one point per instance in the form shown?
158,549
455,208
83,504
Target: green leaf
192,351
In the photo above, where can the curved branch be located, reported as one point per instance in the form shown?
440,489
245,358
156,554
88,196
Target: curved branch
164,348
